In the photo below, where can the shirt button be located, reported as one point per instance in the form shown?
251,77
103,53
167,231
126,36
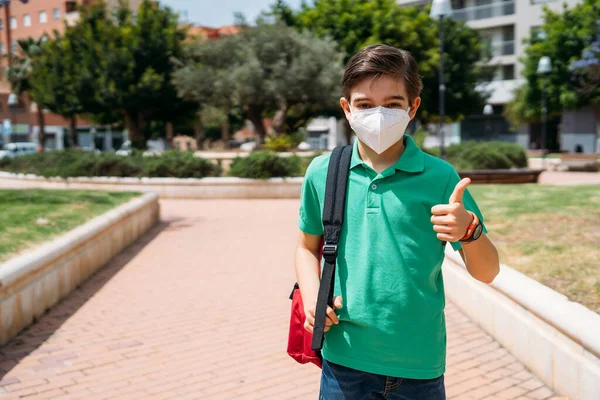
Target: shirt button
374,186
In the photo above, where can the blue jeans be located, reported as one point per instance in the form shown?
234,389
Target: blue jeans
342,383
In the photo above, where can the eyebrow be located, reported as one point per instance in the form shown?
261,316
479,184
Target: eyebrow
397,97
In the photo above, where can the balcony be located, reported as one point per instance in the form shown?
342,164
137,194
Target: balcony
499,9
506,48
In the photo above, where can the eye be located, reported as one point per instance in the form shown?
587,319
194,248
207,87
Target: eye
395,105
363,106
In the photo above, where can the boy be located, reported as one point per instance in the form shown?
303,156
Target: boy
388,339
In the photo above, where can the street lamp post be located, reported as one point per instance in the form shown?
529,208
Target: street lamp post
544,68
439,10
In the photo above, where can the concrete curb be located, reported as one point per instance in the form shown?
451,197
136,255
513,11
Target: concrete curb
555,338
35,281
169,188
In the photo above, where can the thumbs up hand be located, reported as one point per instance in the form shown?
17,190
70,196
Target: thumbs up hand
452,220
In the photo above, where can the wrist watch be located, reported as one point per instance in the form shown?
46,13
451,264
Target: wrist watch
474,230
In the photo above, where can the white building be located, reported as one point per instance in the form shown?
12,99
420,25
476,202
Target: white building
504,24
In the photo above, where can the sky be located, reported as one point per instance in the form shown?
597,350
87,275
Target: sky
216,13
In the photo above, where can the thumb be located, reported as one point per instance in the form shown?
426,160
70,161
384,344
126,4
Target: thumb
459,190
337,302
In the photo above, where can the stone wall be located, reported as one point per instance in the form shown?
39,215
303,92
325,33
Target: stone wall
33,282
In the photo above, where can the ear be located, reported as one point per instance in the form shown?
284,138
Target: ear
416,103
346,107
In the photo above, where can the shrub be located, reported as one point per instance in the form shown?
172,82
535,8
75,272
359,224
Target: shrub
180,165
514,152
113,165
483,157
454,151
264,165
471,155
73,163
283,142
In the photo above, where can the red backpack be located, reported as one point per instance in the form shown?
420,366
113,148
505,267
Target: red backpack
303,346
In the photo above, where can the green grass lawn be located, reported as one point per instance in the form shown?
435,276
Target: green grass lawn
30,217
550,233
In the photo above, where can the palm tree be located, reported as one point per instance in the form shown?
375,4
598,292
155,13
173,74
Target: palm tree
19,75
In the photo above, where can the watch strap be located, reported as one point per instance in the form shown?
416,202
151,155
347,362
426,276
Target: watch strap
471,228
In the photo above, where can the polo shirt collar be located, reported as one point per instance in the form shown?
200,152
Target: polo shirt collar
412,160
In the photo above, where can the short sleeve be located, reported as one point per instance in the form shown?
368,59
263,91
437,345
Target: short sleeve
310,218
468,201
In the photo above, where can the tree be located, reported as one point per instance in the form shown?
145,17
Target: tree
281,12
55,82
270,67
565,38
19,76
125,63
204,76
586,71
354,24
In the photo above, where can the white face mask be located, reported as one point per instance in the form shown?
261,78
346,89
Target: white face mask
380,128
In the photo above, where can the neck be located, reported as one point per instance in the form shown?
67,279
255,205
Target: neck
380,162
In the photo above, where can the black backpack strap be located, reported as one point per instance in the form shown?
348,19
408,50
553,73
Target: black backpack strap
333,219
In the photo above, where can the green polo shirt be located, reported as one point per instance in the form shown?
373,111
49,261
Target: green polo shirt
389,264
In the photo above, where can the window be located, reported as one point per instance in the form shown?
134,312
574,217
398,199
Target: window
70,6
43,17
26,20
490,73
13,23
457,4
1,24
14,46
508,72
2,49
508,32
56,14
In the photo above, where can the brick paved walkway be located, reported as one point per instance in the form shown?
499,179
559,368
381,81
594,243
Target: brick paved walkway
198,309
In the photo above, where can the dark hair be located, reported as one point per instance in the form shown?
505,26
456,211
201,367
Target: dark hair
378,60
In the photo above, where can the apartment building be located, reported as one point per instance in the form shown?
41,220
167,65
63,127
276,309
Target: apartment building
33,18
503,24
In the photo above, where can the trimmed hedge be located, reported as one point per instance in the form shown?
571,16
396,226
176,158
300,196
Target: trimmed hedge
471,155
76,163
264,165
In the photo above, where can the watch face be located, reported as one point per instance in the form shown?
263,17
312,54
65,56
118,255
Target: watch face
478,231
